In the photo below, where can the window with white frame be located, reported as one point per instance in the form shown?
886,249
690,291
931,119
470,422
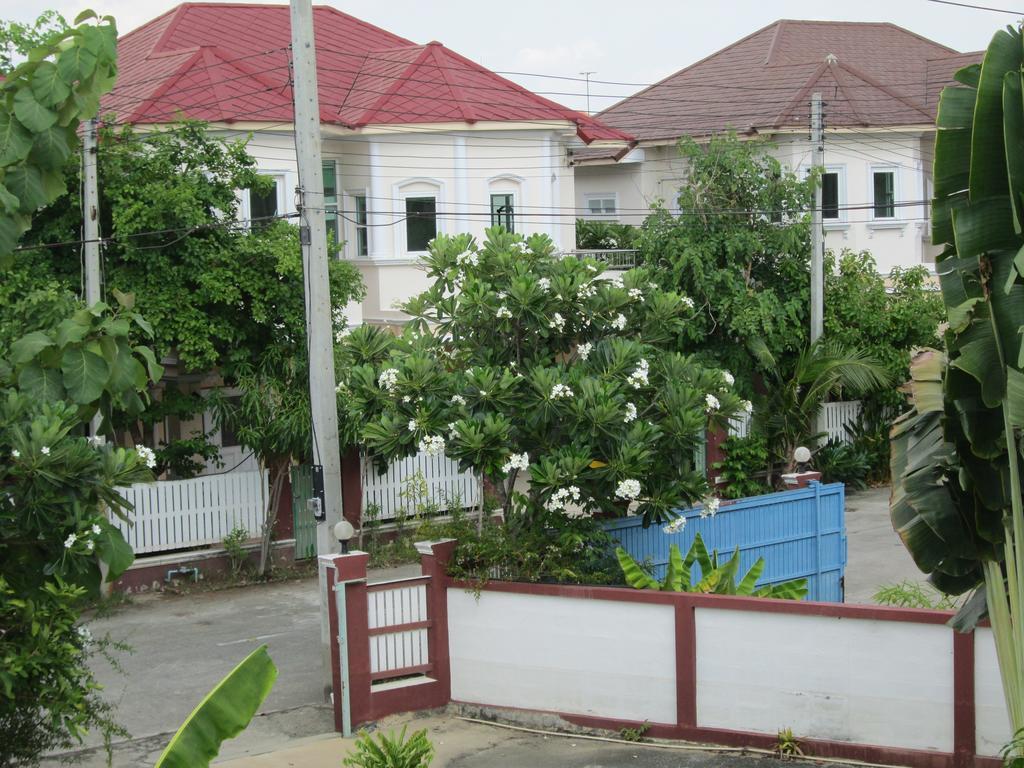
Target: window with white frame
331,204
883,192
420,223
359,246
830,196
601,205
266,204
502,211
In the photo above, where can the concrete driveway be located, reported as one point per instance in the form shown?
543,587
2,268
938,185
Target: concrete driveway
875,555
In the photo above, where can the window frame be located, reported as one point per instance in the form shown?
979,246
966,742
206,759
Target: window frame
877,169
603,215
334,207
405,213
280,179
352,225
841,196
510,215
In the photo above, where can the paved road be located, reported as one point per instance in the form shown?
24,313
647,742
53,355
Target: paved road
875,554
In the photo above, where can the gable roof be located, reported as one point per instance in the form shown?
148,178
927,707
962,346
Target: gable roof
223,62
869,74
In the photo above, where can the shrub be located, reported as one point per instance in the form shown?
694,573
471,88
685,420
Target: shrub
843,463
234,546
596,235
742,472
390,751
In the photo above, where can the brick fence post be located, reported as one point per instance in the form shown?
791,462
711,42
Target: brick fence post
349,634
434,558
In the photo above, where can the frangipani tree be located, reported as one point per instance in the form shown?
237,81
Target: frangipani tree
956,457
519,360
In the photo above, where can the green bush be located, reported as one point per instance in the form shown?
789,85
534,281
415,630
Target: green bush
742,472
390,751
234,545
605,234
843,463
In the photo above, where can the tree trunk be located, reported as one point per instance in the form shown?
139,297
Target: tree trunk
278,473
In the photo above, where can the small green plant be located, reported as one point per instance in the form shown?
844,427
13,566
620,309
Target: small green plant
715,578
843,463
1013,751
635,734
743,470
234,546
787,745
907,594
390,751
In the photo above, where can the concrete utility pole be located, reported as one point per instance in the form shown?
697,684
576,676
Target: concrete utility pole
587,76
313,235
91,225
817,233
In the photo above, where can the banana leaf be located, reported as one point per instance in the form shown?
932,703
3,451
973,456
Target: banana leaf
222,714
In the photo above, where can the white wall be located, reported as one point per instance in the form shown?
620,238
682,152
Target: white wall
901,241
869,682
586,657
992,722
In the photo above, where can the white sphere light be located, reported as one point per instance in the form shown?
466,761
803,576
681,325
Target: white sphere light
344,531
802,455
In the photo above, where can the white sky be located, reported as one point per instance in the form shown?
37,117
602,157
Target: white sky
634,42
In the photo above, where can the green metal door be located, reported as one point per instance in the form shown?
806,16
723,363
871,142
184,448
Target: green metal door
305,525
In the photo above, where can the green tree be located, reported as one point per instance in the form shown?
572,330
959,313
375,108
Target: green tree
18,39
520,361
216,292
54,484
740,249
956,457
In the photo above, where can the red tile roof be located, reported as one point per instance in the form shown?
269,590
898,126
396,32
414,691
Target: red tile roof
230,62
869,74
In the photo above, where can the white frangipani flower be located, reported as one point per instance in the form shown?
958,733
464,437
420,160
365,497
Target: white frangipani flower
97,441
467,258
432,445
748,406
636,294
412,425
90,545
557,322
729,378
147,455
69,542
687,302
710,506
711,403
503,311
45,450
458,400
628,489
96,529
388,379
630,413
638,378
584,350
675,526
516,461
15,453
619,323
561,497
586,291
560,391
544,283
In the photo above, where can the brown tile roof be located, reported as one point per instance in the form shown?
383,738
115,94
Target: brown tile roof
869,74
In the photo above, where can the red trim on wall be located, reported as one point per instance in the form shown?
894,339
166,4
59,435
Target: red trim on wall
352,487
718,602
333,632
713,451
686,666
964,723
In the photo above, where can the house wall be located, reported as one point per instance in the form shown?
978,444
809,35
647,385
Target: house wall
902,241
459,169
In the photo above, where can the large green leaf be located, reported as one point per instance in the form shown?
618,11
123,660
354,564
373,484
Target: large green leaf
50,148
15,141
31,113
113,550
85,374
28,346
636,576
1013,125
48,86
988,156
222,714
26,183
43,384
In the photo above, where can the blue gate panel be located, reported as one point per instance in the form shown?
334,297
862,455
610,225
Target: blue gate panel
800,534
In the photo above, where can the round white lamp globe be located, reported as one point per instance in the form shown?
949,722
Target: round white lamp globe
802,455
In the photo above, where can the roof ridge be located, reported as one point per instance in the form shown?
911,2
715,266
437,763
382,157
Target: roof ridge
885,89
465,108
800,95
169,30
393,88
164,87
212,60
835,68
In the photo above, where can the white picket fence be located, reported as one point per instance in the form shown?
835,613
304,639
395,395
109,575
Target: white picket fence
398,621
834,415
177,514
393,492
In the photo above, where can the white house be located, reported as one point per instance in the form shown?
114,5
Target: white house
880,85
417,140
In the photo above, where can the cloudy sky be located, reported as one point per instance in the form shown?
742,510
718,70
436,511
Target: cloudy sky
635,42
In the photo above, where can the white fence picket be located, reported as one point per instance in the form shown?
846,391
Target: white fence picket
835,416
176,514
446,485
397,604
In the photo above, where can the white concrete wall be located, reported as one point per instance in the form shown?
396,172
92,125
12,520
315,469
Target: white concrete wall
902,241
991,720
868,682
586,657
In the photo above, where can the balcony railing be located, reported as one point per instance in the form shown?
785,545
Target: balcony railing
614,258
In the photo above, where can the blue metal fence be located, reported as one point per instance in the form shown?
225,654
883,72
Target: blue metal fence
800,534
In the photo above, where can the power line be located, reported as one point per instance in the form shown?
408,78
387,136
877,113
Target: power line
977,7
